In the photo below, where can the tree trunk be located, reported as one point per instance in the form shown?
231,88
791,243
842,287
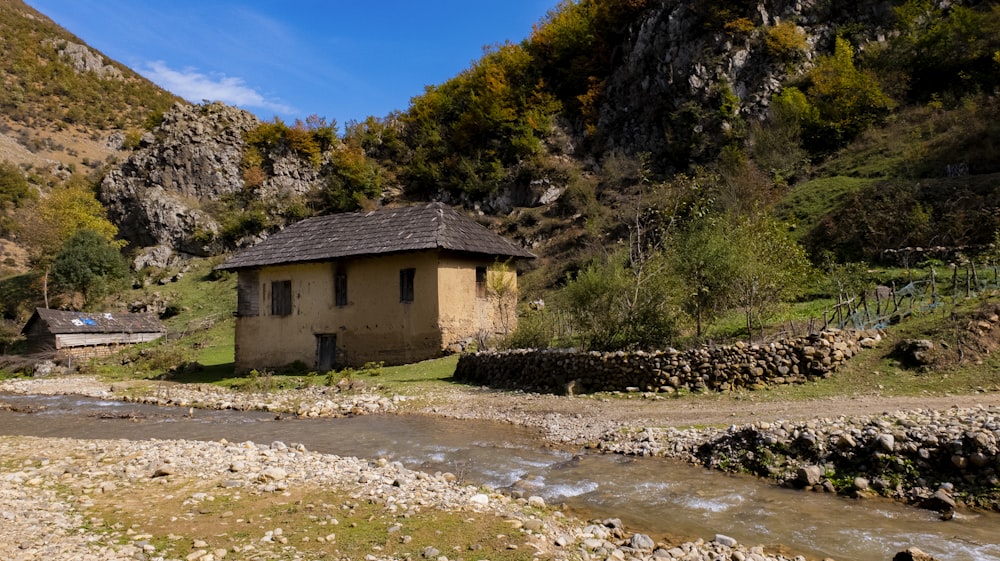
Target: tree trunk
45,287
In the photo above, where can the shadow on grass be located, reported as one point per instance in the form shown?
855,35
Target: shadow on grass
202,374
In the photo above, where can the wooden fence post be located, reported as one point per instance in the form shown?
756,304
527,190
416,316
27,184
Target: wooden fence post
954,284
934,294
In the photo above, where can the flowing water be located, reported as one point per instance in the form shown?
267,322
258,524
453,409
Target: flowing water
655,496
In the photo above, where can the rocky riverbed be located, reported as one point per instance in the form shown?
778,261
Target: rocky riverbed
172,500
939,458
933,459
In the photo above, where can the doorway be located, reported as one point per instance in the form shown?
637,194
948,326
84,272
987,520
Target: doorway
326,352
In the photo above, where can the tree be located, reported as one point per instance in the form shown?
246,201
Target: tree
768,268
45,226
14,192
615,304
14,187
90,264
502,293
703,260
353,179
848,99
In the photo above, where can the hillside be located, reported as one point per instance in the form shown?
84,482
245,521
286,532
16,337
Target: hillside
61,101
617,129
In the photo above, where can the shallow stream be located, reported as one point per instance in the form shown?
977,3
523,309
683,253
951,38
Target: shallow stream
655,496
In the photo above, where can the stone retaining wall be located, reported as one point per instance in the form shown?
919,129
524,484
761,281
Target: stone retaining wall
717,368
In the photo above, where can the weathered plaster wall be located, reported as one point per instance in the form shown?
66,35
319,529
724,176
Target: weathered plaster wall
374,325
464,315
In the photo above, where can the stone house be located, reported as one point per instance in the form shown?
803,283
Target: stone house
84,335
393,285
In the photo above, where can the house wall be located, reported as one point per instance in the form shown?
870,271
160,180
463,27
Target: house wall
464,315
373,326
39,339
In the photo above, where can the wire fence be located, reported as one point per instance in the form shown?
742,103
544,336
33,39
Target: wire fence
887,305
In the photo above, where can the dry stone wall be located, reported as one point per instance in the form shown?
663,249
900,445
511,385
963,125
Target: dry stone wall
716,368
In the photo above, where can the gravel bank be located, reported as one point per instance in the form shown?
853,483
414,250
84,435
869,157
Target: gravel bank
939,458
49,487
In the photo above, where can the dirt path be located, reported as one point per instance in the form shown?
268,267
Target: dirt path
598,414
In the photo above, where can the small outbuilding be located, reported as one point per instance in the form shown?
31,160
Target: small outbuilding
85,335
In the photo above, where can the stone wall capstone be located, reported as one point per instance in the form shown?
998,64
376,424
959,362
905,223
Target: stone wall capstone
715,368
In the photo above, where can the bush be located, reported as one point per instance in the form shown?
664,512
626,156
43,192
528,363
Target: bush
847,100
14,187
785,40
536,329
618,303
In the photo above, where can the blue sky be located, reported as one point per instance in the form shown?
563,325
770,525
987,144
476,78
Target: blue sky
342,60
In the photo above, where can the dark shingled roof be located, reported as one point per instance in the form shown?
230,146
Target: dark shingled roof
61,321
395,230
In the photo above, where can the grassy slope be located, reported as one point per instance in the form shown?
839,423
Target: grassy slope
203,332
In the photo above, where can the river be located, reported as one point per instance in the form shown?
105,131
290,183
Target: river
655,496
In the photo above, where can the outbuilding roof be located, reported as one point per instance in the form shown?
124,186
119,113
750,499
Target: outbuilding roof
392,230
62,321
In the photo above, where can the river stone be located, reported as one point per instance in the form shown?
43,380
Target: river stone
940,501
913,554
596,531
479,499
887,442
533,524
535,501
273,474
845,442
642,542
164,471
725,540
809,475
979,459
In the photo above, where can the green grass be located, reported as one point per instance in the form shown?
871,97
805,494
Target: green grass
429,373
806,204
200,348
877,372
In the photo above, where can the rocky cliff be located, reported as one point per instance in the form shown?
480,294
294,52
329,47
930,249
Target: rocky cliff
682,63
193,156
167,193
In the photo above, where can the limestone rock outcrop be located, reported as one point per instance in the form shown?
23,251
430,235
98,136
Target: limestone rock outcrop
667,88
167,192
85,60
192,156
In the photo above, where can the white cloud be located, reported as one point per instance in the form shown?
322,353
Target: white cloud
195,86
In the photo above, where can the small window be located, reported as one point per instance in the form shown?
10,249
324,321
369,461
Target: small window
281,298
406,284
480,282
340,288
